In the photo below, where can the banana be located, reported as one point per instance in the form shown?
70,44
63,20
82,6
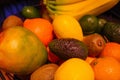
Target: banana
69,7
61,2
95,7
80,5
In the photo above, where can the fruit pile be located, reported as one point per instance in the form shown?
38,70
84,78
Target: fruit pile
40,47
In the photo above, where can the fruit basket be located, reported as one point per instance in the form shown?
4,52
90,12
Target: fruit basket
14,7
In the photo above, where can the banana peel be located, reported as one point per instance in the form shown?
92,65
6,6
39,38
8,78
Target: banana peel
81,8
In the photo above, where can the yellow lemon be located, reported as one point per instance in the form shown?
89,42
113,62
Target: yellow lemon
67,27
74,69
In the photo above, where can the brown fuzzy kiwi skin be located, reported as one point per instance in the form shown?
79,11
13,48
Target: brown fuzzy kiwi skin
12,21
95,43
45,72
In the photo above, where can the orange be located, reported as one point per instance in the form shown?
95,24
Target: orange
111,49
41,27
89,59
74,69
106,68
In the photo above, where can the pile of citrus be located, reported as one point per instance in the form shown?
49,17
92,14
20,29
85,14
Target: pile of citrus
29,44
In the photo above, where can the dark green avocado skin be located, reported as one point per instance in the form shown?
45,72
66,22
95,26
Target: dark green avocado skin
111,31
66,48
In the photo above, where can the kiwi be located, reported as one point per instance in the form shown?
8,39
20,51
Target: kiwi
95,43
45,72
12,21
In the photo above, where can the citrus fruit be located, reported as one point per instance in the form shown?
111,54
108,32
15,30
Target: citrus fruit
67,27
30,12
41,27
45,72
89,24
21,52
111,49
74,69
106,68
12,21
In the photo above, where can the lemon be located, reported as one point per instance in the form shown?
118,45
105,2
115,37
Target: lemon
67,27
74,69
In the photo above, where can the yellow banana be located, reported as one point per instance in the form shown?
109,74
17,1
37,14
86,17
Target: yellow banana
95,7
61,2
71,7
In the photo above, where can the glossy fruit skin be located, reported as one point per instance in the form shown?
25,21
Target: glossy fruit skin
89,24
74,69
66,26
21,52
41,27
53,58
30,12
101,24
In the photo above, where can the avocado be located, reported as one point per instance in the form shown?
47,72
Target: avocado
111,31
66,48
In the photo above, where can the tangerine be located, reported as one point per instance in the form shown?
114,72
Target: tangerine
111,49
41,27
106,68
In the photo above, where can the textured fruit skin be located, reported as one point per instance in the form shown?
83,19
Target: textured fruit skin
106,68
66,48
95,43
11,21
45,72
21,52
112,32
111,49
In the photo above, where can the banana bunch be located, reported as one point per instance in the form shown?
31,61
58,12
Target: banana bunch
78,8
61,2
